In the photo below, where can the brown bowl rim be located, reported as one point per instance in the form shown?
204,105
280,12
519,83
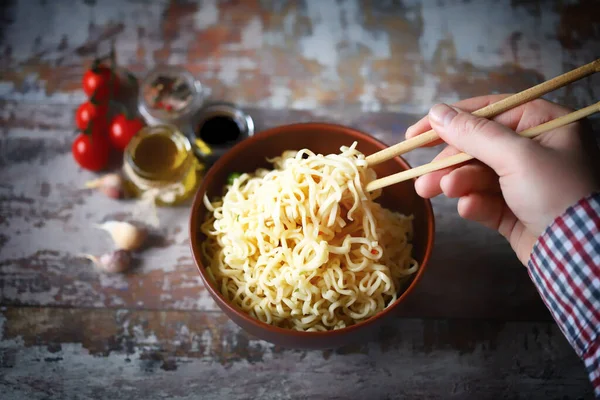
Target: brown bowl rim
227,157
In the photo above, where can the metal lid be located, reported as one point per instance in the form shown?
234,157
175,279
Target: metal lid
210,152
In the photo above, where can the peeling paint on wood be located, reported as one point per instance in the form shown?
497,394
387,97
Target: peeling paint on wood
203,355
51,217
68,331
381,56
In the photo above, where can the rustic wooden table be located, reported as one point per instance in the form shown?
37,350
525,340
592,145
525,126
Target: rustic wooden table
475,328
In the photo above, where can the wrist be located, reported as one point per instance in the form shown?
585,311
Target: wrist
566,184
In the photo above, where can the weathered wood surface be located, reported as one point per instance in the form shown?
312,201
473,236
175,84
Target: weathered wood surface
475,327
381,55
52,218
83,354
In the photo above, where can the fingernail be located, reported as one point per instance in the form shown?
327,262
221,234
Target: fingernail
442,114
443,183
418,186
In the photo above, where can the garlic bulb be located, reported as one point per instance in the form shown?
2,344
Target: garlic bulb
112,185
115,262
125,235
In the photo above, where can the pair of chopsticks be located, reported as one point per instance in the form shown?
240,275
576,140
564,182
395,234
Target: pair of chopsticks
486,112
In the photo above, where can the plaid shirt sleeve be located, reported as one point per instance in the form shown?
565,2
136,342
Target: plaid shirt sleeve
565,267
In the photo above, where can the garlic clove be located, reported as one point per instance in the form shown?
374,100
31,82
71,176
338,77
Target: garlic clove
126,236
112,185
115,262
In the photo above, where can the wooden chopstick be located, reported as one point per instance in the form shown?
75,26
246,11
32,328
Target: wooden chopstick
462,157
490,111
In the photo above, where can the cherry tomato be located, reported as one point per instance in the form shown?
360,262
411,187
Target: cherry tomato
88,112
97,83
122,130
91,151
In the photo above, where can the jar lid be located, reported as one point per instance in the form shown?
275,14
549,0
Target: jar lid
168,94
218,127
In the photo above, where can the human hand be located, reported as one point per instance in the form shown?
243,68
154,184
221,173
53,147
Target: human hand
518,186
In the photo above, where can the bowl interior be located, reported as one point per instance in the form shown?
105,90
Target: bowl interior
251,154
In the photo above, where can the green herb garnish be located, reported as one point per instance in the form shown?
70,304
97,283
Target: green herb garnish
232,177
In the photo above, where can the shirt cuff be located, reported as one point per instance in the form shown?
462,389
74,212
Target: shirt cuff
565,267
591,359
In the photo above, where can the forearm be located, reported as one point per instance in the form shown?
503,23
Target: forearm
565,267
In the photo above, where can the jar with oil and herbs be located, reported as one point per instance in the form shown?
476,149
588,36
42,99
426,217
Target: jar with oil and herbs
159,165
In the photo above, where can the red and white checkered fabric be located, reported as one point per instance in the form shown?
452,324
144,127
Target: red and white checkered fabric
565,267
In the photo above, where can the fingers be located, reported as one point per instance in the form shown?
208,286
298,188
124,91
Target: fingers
470,178
475,103
458,181
470,105
525,116
488,141
531,114
428,186
489,210
421,126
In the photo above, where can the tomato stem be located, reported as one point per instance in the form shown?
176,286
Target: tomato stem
96,64
132,78
113,66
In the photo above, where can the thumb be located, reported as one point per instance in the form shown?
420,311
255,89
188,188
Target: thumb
488,141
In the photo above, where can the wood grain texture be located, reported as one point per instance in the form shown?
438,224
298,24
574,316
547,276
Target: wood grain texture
474,328
51,215
378,55
87,354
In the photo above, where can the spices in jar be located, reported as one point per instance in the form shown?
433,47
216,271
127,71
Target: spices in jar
159,165
169,94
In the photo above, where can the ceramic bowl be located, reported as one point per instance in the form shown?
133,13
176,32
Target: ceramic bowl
251,154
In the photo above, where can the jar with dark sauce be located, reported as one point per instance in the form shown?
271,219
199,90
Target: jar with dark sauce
219,130
218,127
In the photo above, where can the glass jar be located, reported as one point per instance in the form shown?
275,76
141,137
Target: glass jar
169,95
159,165
217,127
